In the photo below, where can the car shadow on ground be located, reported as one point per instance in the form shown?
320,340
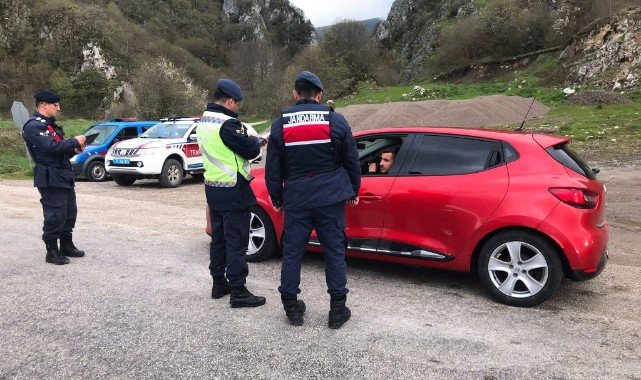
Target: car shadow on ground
452,284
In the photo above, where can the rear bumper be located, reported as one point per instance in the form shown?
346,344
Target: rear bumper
583,242
582,275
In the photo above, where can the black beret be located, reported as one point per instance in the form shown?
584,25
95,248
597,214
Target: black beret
310,78
47,96
230,88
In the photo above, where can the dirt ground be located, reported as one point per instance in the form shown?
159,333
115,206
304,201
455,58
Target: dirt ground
138,304
484,111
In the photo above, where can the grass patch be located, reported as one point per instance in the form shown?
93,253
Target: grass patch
14,163
583,123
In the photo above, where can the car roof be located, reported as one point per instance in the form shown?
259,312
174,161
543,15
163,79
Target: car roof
508,136
127,123
179,119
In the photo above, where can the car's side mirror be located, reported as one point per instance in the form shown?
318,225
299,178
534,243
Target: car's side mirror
193,137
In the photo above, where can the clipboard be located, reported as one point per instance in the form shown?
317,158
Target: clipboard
91,137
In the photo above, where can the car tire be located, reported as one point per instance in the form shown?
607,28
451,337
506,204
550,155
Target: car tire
519,268
96,171
171,174
124,179
262,236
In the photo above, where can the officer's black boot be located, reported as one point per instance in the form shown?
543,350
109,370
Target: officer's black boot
53,255
241,297
220,288
67,248
294,309
338,313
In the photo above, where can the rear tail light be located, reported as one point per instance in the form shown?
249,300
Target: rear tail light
579,198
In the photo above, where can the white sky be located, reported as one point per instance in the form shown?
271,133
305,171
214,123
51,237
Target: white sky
327,12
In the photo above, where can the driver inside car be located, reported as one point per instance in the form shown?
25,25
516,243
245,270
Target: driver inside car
385,163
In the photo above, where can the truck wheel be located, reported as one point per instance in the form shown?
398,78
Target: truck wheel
96,171
124,179
172,174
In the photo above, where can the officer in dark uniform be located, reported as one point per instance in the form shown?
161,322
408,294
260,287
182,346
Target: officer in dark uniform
226,149
312,171
53,176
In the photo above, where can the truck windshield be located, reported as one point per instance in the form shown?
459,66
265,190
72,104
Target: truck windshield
104,132
166,131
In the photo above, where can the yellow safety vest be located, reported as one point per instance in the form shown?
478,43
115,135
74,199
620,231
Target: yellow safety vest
221,163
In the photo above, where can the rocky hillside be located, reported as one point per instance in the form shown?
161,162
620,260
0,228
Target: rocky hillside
110,51
412,29
609,56
429,37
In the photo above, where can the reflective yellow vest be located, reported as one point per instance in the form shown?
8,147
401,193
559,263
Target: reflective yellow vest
221,163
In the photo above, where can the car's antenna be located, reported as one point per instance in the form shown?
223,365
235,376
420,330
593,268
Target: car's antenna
526,115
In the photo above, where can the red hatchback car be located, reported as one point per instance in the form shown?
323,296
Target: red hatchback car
521,210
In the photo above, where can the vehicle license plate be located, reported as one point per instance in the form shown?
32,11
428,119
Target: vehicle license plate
121,161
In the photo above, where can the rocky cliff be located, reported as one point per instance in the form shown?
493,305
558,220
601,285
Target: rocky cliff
412,29
276,20
609,56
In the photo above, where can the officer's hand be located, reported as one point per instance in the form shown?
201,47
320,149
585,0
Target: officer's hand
277,208
82,140
353,202
263,141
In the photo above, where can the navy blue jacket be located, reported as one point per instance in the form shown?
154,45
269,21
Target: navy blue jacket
51,157
318,190
234,136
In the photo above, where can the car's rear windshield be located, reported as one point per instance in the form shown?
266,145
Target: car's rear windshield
104,131
166,131
568,158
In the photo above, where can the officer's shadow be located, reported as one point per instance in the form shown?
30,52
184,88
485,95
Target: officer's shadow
458,284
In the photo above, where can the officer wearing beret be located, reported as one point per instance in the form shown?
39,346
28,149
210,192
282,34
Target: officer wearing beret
226,149
312,171
53,176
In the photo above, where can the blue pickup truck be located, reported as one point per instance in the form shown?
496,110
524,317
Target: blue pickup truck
90,163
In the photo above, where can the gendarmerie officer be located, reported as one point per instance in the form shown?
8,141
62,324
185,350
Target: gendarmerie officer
53,176
312,170
226,149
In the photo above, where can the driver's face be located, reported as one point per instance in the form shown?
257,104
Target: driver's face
387,159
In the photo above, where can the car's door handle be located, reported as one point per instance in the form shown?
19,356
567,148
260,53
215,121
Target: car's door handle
369,197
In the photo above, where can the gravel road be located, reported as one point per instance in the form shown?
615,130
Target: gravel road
138,306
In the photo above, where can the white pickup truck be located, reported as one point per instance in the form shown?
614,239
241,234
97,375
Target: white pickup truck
166,151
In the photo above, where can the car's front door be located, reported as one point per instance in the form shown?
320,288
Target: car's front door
364,222
441,196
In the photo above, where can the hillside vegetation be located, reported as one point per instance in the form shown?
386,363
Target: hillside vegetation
155,58
112,57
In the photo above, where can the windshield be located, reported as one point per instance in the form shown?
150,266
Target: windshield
166,131
104,132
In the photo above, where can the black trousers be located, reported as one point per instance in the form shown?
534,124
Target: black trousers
329,223
60,211
228,249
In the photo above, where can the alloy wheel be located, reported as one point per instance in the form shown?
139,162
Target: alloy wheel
518,269
173,174
256,234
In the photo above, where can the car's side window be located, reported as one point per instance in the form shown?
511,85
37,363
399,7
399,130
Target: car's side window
378,155
451,155
128,133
